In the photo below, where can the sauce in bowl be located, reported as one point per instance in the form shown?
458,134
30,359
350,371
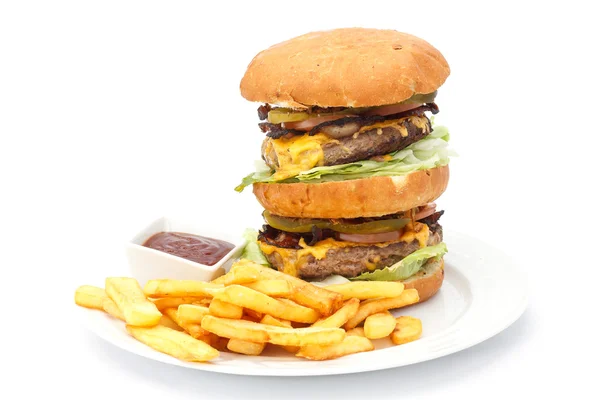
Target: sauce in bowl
200,249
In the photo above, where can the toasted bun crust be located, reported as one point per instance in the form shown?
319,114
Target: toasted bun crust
368,197
351,67
428,281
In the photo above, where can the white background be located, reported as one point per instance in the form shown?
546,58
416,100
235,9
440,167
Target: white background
113,113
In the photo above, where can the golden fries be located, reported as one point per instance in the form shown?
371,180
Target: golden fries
174,343
269,320
191,313
194,330
256,332
245,347
358,331
90,297
407,330
304,293
111,308
174,302
341,316
219,308
251,299
273,288
251,306
408,297
172,288
166,321
252,315
129,298
364,290
238,275
379,325
350,345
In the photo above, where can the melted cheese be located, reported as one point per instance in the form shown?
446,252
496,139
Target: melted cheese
297,154
416,231
293,259
301,153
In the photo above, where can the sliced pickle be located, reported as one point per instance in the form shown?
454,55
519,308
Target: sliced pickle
295,225
305,225
281,114
421,98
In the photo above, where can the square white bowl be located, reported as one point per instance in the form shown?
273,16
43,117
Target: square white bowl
146,263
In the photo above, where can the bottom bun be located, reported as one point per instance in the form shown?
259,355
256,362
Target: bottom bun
428,280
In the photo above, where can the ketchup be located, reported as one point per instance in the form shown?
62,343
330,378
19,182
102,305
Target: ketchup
195,248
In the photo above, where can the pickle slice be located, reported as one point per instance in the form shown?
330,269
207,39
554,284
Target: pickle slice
305,225
282,114
279,115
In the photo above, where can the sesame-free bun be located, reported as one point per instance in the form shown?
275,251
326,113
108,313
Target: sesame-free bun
367,197
350,67
428,280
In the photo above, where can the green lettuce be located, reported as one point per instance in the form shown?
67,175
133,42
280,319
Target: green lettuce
251,251
429,152
406,267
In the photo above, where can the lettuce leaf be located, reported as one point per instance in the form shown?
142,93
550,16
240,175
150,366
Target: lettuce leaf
427,153
252,251
406,267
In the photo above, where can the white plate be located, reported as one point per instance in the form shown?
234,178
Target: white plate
472,306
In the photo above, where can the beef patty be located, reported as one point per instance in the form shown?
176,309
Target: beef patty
362,146
353,261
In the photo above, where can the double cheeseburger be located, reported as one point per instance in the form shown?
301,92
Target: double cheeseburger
352,162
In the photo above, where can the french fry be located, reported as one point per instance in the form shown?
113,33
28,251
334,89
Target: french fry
281,308
358,331
219,308
167,322
364,290
341,316
245,347
304,293
253,315
194,330
407,330
237,276
350,345
128,296
272,287
191,313
369,307
379,325
111,308
174,302
173,343
203,302
269,320
260,333
90,297
219,343
180,288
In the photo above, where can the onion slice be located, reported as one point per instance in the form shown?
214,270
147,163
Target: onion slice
308,124
425,211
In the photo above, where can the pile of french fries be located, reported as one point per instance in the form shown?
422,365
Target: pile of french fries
252,307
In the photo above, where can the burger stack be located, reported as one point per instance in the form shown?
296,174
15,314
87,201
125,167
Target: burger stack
352,160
